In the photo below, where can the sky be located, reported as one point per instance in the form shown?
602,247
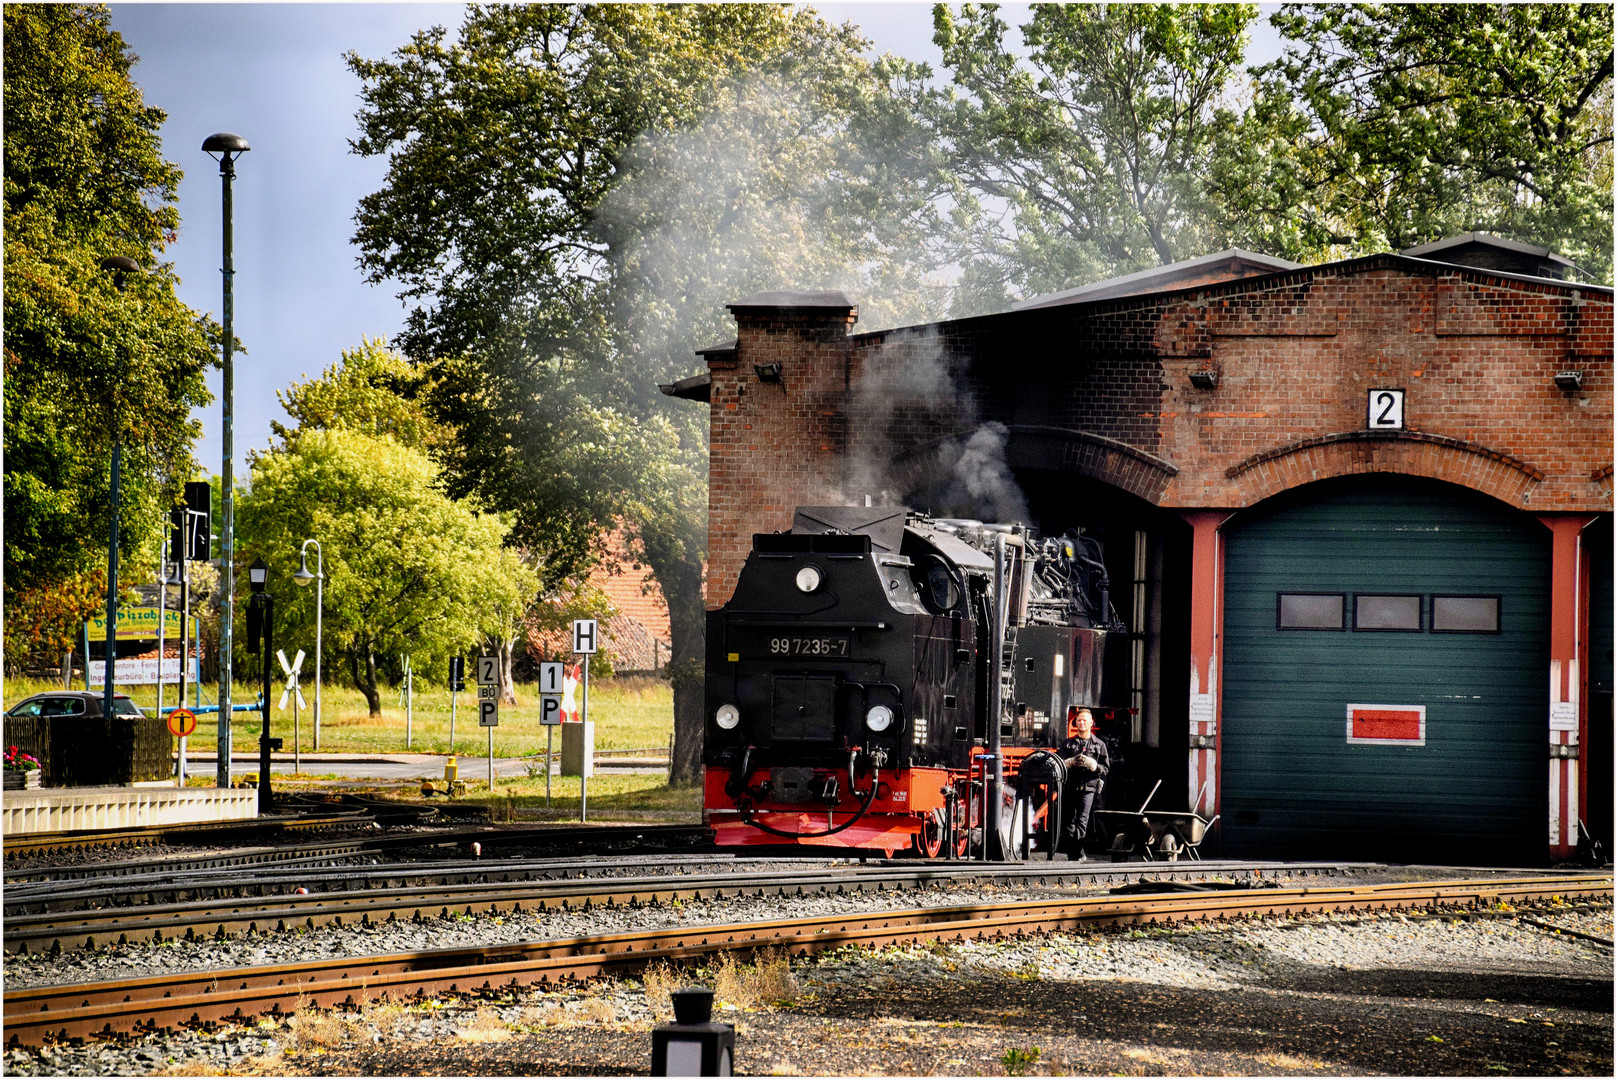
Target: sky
274,74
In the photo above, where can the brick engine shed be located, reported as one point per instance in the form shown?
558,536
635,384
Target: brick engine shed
1357,516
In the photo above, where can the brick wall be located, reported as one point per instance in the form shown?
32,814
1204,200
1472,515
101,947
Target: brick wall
774,445
1104,389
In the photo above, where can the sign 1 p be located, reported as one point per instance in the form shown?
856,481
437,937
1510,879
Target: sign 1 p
550,677
488,713
583,635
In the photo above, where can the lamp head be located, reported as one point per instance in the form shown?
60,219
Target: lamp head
120,265
303,577
258,574
227,147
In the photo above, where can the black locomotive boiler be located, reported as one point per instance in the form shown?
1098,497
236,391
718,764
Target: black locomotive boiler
886,681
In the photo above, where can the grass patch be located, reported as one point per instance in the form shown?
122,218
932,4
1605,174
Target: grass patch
630,713
606,792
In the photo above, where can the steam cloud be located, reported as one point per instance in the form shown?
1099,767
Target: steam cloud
771,192
913,378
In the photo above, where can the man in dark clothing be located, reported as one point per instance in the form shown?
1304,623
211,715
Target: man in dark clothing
1088,762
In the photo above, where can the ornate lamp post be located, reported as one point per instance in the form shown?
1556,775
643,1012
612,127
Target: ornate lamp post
303,577
119,265
228,147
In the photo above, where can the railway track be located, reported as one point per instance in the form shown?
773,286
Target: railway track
35,921
214,832
35,1015
492,837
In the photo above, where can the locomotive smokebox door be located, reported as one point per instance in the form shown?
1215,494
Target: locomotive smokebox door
805,708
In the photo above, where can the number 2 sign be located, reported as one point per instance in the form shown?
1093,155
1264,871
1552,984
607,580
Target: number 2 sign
1386,410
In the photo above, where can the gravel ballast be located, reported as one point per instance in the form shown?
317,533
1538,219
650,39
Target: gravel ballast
1325,995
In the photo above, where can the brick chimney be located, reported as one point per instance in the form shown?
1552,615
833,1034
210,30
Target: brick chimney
779,400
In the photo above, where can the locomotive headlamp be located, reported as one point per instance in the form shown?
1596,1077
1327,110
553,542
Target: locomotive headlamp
879,718
727,717
808,578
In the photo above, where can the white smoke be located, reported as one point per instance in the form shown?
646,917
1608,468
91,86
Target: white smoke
773,189
907,387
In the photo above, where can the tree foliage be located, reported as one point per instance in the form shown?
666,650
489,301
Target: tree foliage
371,390
1386,126
407,569
573,195
85,179
1127,134
1092,155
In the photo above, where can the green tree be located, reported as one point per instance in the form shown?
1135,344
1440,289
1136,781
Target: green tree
1386,126
408,569
1097,146
371,390
573,194
85,179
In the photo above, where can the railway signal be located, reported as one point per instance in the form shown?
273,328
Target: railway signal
551,683
488,704
295,692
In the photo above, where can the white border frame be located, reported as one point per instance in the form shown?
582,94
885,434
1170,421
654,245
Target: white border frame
1420,709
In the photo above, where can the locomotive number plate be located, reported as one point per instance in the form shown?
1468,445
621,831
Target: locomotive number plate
829,645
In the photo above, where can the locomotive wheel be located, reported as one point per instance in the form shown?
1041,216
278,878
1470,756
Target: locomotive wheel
964,820
928,839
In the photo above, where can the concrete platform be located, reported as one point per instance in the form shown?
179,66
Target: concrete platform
66,809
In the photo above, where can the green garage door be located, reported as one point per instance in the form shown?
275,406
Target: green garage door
1386,657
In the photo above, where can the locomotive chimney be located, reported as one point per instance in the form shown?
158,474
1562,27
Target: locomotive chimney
778,427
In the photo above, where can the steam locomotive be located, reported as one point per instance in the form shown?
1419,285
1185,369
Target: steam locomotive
886,681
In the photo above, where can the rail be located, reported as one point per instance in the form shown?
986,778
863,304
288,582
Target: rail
35,1015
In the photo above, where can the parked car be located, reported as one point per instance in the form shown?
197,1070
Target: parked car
73,703
78,745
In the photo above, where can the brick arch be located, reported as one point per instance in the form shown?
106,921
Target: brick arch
1030,446
1410,453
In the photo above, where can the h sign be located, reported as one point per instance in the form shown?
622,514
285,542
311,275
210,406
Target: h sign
583,635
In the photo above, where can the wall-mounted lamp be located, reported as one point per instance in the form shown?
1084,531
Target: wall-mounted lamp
1205,379
767,372
1569,380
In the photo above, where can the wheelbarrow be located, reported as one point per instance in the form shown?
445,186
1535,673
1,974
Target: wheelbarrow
1153,834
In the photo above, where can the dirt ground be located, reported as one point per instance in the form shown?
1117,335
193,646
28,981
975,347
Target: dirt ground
1353,1023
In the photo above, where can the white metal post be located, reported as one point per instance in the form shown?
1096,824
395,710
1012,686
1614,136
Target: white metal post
319,616
162,620
584,716
185,625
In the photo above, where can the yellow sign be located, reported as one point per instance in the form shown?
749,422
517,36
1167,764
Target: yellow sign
140,624
182,722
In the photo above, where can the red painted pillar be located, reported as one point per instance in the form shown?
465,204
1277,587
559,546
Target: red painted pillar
1568,709
1206,654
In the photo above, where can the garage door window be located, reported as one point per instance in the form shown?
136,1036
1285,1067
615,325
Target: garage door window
1387,613
1465,614
1311,611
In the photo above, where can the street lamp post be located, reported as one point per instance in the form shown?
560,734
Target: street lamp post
119,265
228,147
303,577
261,621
